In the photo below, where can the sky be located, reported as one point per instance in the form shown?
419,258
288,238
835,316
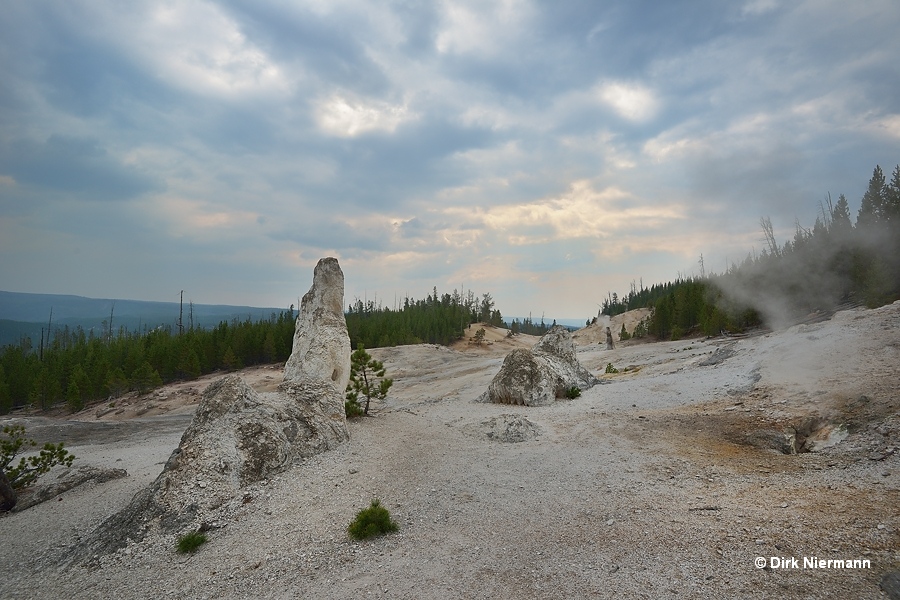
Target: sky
545,152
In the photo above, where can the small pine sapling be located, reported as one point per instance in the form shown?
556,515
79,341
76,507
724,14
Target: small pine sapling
366,380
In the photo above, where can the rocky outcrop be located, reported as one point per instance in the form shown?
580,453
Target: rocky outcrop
239,437
68,480
321,343
537,377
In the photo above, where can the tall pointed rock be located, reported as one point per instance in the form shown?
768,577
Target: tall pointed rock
321,344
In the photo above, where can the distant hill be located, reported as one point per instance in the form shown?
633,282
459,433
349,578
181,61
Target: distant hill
570,324
24,315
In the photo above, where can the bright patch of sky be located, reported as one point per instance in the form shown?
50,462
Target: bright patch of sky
545,153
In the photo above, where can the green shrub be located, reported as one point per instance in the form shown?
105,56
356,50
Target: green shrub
641,329
372,521
353,409
573,392
623,335
189,542
610,369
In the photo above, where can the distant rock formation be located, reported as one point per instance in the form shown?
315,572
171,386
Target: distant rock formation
321,343
238,436
537,377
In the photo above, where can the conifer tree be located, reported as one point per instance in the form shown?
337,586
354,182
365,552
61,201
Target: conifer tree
365,373
145,378
840,217
893,197
5,397
872,208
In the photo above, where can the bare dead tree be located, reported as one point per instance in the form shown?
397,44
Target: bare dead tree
181,313
766,224
111,309
826,214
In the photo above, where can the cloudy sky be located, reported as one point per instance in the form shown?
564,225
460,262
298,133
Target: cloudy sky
545,152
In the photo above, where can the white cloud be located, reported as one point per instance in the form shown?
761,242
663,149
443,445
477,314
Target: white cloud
194,46
630,101
754,8
889,125
483,29
343,117
202,49
581,212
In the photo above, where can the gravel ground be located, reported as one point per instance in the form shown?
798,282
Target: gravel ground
643,487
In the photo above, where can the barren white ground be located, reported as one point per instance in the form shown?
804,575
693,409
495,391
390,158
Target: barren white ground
640,488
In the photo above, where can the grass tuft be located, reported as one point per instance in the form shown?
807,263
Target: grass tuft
372,521
189,542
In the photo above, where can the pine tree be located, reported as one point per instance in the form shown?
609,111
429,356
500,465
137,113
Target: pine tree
46,389
365,373
145,378
117,383
872,208
5,397
73,397
189,363
893,198
840,218
487,305
230,361
79,389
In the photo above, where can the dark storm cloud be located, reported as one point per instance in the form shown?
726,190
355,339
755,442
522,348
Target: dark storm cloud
75,165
